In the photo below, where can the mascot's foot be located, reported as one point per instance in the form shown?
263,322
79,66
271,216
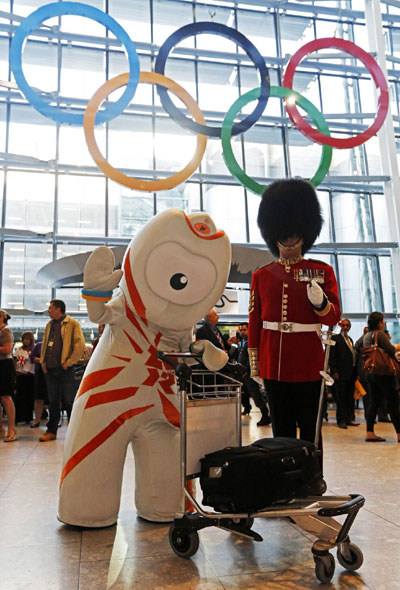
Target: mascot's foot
156,520
87,525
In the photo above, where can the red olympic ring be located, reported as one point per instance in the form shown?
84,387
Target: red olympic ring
372,67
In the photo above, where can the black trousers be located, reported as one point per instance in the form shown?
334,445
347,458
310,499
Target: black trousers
252,389
383,387
344,396
292,406
24,399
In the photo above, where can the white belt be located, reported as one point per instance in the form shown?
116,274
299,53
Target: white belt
291,327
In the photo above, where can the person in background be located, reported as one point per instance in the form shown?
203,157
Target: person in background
100,330
7,376
250,387
24,399
342,364
39,385
381,386
209,331
63,345
361,375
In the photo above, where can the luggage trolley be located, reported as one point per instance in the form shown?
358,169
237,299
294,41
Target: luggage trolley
210,420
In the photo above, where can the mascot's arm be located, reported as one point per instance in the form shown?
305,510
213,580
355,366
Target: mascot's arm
214,358
100,279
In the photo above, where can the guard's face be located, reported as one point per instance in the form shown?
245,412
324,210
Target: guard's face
290,247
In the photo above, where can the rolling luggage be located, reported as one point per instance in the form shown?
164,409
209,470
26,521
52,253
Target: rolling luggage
247,479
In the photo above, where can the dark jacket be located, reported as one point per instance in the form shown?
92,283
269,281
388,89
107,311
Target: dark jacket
206,332
341,359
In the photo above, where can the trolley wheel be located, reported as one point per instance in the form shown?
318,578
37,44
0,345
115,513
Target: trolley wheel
324,567
354,560
184,544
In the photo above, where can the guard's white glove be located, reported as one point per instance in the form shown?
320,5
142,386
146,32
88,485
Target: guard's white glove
99,273
314,293
214,358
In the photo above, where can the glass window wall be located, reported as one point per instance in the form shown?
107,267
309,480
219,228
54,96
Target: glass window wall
51,186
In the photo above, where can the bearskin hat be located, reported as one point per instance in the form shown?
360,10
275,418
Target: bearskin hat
289,208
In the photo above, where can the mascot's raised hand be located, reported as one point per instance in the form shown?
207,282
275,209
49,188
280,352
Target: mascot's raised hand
174,271
99,272
99,280
213,358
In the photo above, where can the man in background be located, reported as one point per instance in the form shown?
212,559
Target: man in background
342,362
63,345
250,387
209,331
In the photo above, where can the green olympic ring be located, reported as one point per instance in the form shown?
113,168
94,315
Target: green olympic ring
278,92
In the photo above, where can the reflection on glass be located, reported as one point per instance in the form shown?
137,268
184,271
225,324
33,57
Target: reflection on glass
21,263
359,284
388,288
352,217
128,210
225,204
30,201
81,206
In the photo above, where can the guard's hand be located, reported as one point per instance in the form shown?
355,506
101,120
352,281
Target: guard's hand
314,293
214,358
99,273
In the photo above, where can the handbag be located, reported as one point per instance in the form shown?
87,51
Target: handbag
359,390
378,362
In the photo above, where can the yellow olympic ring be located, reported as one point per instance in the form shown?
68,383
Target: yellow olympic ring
116,175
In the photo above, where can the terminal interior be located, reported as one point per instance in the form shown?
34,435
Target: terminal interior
57,206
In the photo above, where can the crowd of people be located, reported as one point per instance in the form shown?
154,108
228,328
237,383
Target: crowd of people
280,349
346,361
35,375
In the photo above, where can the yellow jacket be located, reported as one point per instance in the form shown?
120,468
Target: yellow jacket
73,341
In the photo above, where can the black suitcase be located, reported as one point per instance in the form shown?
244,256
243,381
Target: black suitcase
247,479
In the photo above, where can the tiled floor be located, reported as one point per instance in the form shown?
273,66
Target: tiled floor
39,553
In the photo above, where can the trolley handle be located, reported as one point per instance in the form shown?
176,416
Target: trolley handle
356,502
169,357
182,370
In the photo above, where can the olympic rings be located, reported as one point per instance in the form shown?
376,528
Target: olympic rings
279,92
77,8
228,129
113,173
377,76
245,44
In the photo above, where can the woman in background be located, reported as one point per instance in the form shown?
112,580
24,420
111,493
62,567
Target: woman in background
25,370
7,375
380,386
40,387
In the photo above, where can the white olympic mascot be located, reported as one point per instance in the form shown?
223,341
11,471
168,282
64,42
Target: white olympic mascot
173,272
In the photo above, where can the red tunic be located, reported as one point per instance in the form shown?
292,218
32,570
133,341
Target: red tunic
279,294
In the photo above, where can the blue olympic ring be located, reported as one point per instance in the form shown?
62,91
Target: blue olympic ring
57,9
232,35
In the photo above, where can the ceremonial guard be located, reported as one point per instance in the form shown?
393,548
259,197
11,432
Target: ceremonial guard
289,301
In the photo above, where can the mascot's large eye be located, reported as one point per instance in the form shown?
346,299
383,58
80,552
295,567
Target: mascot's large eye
178,281
179,276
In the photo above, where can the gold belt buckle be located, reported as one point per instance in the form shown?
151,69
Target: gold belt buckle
285,326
